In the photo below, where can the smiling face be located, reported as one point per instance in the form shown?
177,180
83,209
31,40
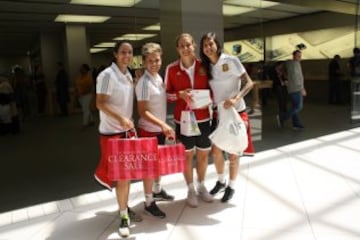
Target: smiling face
210,48
186,47
153,62
124,55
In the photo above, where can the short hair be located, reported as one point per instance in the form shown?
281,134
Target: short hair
295,52
149,48
183,35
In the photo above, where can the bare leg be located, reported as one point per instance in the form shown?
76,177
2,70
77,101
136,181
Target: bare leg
219,161
202,164
188,174
233,167
122,193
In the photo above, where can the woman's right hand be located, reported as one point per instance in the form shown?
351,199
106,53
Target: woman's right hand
127,124
186,96
168,131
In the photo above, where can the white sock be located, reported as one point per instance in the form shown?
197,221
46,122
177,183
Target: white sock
148,199
191,187
232,183
221,178
124,213
156,187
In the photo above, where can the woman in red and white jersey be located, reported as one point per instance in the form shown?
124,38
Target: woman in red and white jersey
182,76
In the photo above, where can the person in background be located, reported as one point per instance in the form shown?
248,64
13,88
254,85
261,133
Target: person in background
20,84
229,83
151,104
296,90
114,99
277,75
40,88
181,76
62,89
335,86
9,119
84,90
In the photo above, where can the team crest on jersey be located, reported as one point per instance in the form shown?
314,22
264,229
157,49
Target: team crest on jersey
202,71
225,67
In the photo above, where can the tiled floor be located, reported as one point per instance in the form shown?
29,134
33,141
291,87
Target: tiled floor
309,190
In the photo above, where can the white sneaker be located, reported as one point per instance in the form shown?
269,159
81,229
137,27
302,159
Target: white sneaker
204,194
124,229
192,199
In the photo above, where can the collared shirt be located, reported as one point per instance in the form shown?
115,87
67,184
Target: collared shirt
226,82
151,89
119,87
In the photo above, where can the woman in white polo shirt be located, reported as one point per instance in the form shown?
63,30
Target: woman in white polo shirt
114,99
226,74
151,103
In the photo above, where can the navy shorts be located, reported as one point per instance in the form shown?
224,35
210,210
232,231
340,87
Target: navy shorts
201,142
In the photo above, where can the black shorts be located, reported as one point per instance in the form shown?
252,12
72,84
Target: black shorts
201,142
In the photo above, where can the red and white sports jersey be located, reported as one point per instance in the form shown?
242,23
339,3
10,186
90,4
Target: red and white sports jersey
177,79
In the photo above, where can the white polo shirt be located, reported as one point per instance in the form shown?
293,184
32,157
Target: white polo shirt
226,82
151,88
119,87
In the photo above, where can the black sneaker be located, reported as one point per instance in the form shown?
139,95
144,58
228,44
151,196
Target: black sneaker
154,210
134,217
218,187
298,127
162,196
124,229
229,193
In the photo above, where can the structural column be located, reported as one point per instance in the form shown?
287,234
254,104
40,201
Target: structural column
194,17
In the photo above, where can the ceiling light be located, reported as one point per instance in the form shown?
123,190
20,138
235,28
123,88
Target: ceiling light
135,36
105,45
81,18
154,27
112,3
230,10
251,3
96,50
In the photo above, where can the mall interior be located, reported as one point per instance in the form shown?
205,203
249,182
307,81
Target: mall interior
298,185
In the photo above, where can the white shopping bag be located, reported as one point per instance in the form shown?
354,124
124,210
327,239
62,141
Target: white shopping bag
188,124
201,98
230,135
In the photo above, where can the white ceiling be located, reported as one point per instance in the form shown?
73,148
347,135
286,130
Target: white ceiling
21,22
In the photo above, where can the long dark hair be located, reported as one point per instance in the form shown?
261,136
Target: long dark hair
204,59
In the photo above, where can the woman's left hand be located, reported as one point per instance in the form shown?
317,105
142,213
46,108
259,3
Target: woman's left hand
229,103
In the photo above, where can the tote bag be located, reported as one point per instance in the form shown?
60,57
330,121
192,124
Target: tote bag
132,158
230,135
188,124
171,158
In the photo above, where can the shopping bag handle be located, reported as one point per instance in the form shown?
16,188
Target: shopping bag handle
170,141
131,133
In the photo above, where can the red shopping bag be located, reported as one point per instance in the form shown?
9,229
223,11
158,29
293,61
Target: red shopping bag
132,158
171,158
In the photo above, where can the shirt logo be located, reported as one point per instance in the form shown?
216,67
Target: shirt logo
225,67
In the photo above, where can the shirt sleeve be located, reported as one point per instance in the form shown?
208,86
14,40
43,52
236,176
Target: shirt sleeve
103,83
171,94
142,90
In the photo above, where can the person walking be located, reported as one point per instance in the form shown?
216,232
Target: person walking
296,90
62,89
84,91
229,83
182,76
277,75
